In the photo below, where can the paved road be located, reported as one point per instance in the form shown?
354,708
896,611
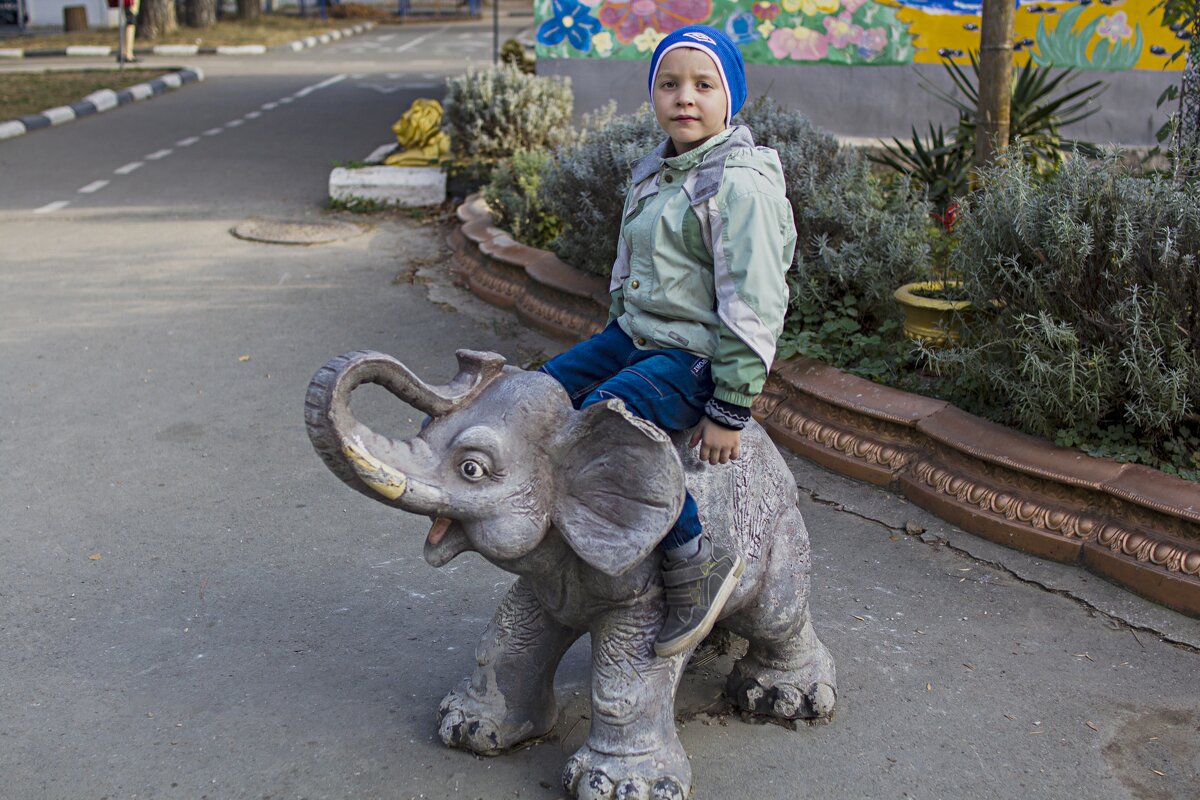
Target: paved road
192,607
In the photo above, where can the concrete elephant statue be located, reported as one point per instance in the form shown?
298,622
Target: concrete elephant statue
574,503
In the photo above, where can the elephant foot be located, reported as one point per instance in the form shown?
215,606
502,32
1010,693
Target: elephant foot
664,775
806,692
473,724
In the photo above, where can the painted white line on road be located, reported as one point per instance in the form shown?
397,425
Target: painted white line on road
233,123
420,39
465,35
157,154
188,142
283,101
385,38
94,186
214,131
307,90
269,106
128,168
253,115
49,208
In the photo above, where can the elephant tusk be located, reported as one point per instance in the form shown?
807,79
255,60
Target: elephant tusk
438,531
379,476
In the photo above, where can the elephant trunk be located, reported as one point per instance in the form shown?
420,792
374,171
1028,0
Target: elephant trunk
346,445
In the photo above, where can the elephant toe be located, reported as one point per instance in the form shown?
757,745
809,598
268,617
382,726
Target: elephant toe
821,700
595,786
480,736
589,775
632,789
667,789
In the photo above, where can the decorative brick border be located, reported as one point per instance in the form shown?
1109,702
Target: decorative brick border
1134,525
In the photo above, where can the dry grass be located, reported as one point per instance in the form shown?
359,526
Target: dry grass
24,93
268,30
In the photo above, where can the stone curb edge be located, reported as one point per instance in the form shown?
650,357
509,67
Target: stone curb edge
190,49
98,102
1134,525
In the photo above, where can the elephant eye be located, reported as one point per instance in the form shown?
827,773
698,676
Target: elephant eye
472,470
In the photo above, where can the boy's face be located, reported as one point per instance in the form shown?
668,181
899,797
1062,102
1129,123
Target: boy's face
689,99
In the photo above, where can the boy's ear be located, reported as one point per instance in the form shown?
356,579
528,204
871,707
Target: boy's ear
620,486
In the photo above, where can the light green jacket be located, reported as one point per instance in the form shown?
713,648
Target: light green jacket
705,241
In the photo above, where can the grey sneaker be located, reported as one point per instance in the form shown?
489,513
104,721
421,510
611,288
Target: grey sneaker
697,590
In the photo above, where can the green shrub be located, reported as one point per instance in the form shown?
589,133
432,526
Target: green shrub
1088,304
515,199
585,186
491,114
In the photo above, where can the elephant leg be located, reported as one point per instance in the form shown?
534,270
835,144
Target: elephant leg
787,672
510,696
632,749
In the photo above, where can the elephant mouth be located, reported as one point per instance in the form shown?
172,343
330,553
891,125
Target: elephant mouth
445,541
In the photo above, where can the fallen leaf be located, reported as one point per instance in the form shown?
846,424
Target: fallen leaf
860,619
920,632
1156,772
912,528
929,687
1010,717
1036,733
243,358
94,557
968,666
964,569
1091,725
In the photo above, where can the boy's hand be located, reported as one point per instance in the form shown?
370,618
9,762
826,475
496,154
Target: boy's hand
718,444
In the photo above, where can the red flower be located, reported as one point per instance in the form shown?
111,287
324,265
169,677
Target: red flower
628,18
949,217
764,10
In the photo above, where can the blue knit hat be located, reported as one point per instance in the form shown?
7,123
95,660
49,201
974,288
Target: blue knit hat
717,46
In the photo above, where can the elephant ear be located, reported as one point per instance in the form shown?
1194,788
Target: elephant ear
620,486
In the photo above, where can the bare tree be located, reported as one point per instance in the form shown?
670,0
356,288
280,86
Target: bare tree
200,13
995,80
249,9
156,18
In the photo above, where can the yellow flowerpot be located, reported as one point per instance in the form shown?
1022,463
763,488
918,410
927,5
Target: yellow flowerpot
928,319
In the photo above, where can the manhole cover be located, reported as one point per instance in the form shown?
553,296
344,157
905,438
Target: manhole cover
280,232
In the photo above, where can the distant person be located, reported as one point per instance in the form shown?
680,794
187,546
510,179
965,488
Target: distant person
131,15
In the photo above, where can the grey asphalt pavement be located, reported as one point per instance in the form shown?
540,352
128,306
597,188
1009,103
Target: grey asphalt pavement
191,606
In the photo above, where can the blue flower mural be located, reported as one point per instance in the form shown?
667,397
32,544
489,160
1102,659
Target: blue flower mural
570,20
740,27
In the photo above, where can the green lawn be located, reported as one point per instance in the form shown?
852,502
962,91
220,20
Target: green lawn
24,93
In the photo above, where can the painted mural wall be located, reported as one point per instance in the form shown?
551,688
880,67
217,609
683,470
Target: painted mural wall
1085,34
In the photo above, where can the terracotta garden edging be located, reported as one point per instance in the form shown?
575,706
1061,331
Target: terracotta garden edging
1132,524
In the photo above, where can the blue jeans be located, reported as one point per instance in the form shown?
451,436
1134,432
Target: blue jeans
665,386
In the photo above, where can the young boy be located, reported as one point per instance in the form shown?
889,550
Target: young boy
698,298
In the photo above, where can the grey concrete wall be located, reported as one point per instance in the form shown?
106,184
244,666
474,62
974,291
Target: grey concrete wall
877,101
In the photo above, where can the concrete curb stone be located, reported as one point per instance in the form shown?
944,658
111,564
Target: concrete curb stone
93,51
97,102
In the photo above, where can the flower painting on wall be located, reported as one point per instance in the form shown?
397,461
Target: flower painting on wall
1109,35
788,31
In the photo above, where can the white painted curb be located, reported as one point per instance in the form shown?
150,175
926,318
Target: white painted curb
242,50
88,50
103,100
395,186
58,116
11,52
12,129
176,49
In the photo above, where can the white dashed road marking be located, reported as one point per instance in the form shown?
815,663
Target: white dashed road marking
96,186
420,39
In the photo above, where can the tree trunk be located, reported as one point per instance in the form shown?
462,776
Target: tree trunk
1189,95
995,81
201,13
249,9
156,18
